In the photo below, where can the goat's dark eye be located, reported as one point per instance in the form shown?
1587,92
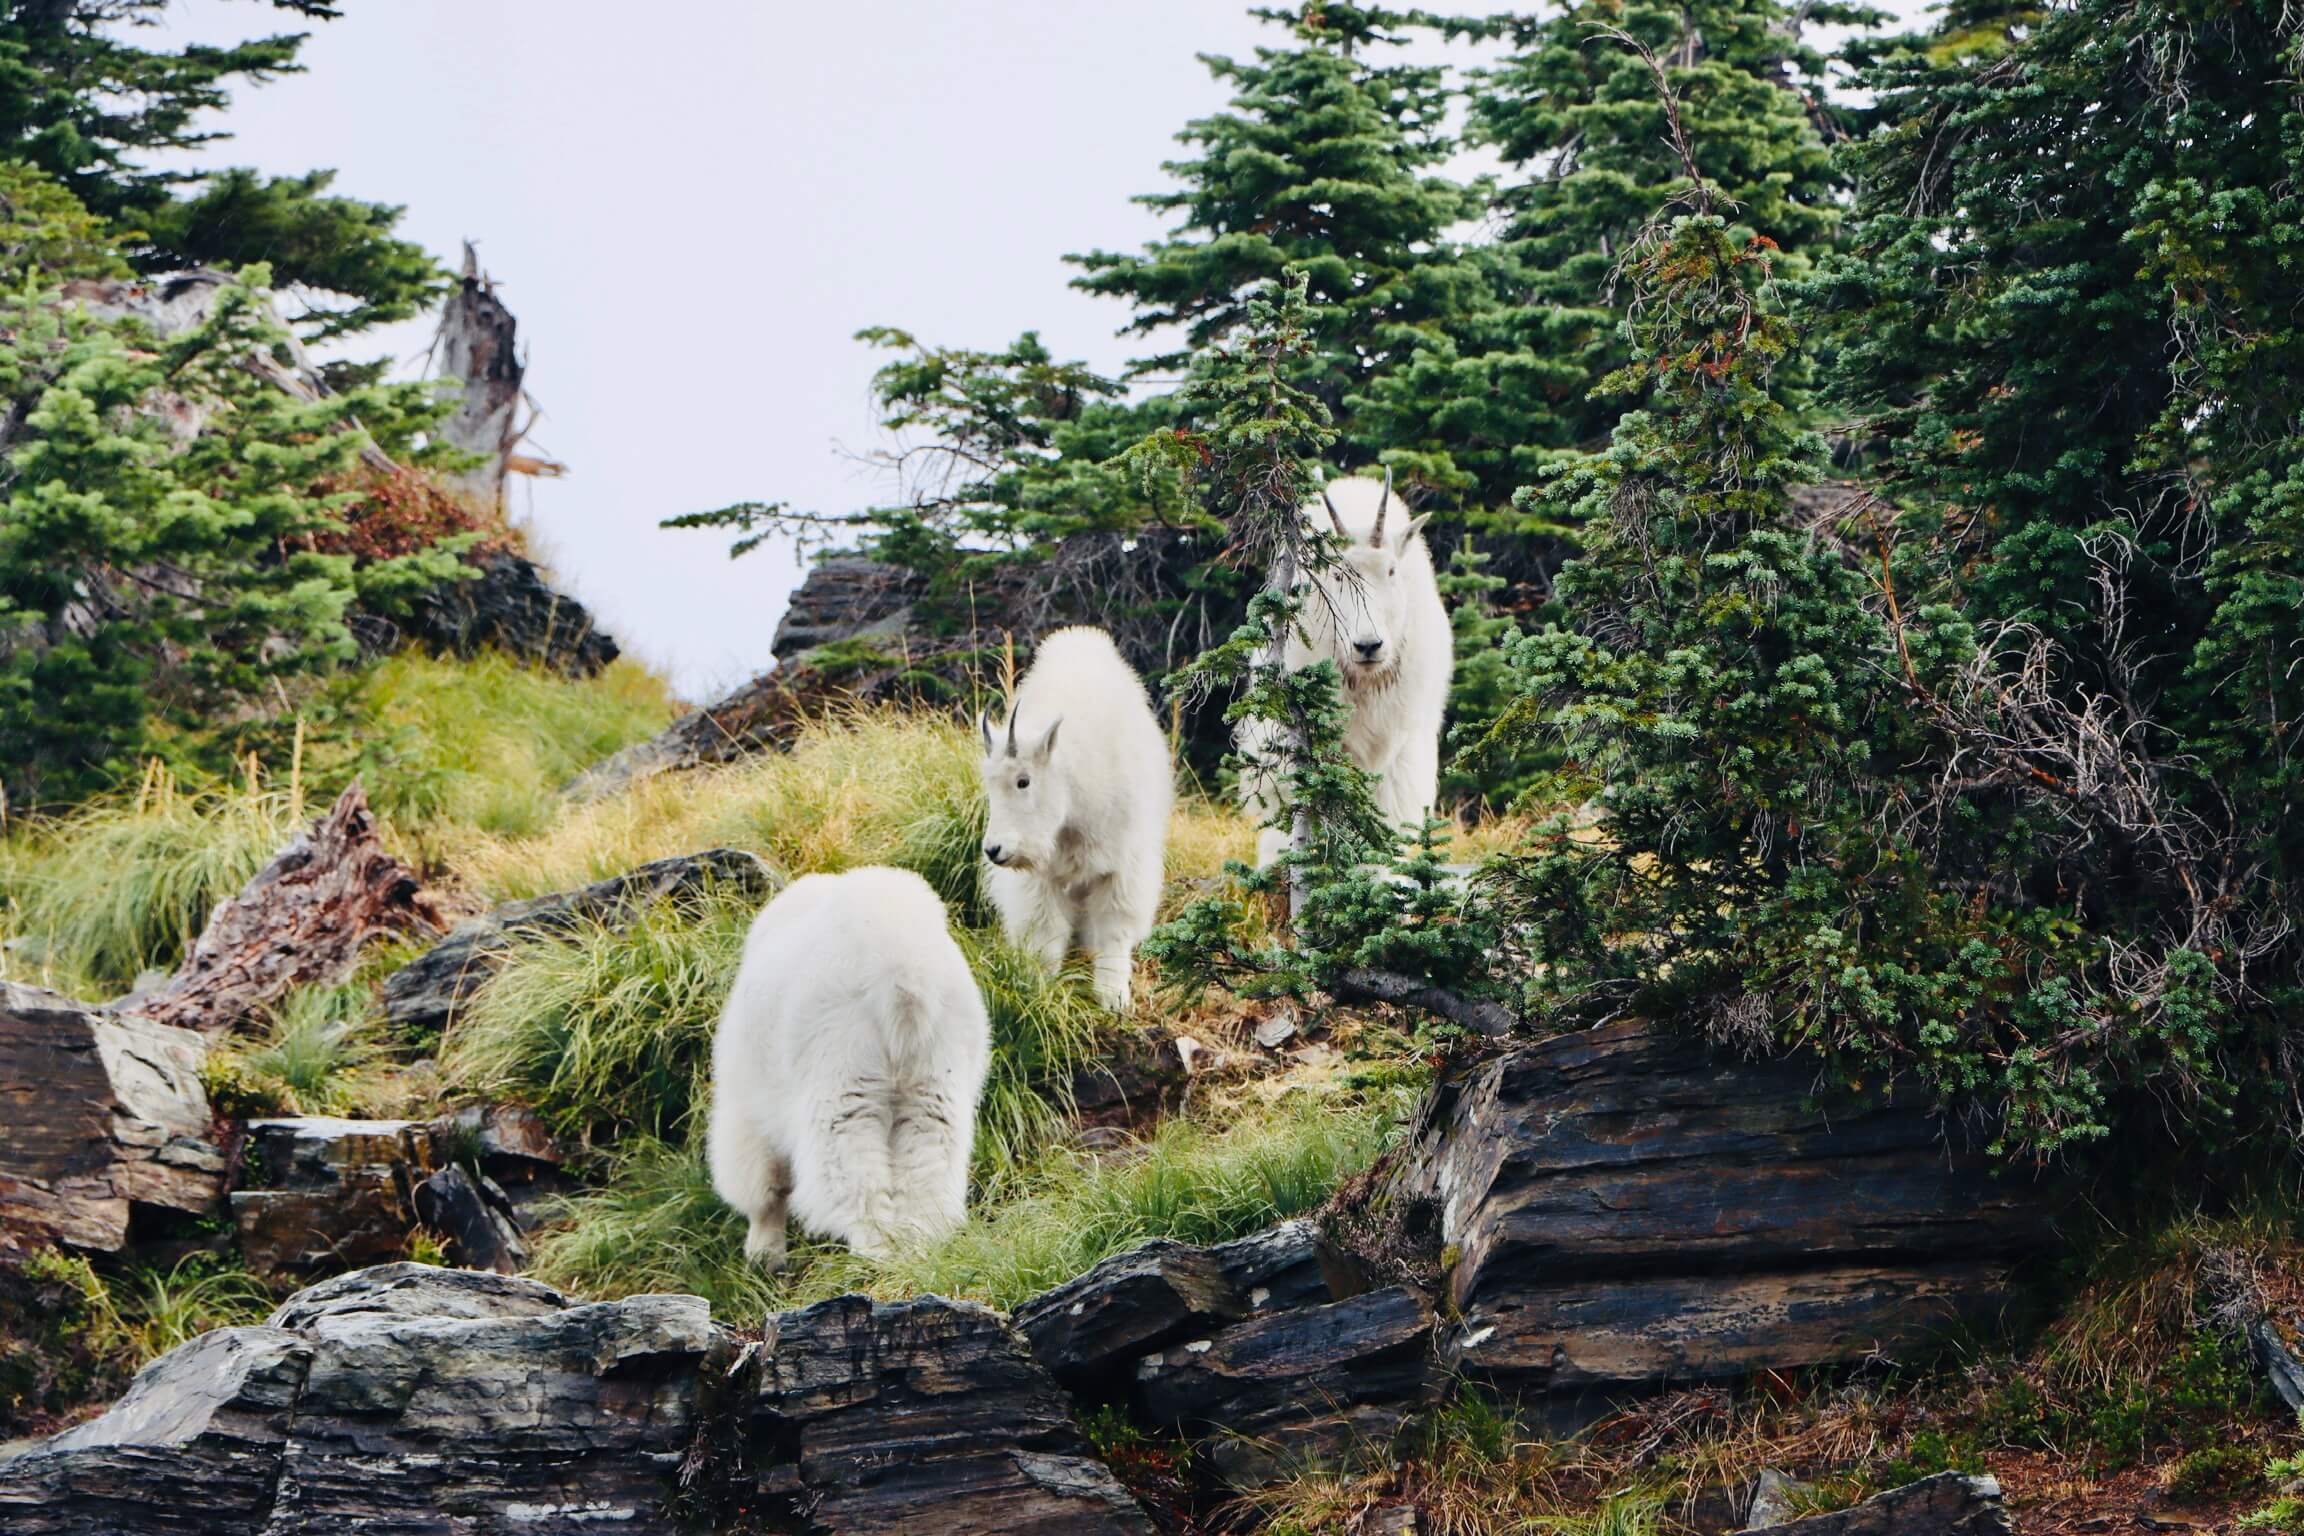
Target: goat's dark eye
1024,782
1391,570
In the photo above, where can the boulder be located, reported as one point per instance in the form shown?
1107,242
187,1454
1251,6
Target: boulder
100,1113
476,1219
540,1417
922,1415
422,997
1090,1331
1624,1209
509,606
194,1446
1948,1504
846,597
512,1148
321,1193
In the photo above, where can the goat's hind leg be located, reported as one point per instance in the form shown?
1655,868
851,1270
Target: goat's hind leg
851,1193
928,1157
754,1178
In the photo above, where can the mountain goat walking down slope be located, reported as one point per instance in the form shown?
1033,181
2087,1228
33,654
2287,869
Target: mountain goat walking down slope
847,1067
1376,613
1078,784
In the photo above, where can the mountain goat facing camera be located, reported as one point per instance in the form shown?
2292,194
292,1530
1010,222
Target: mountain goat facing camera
847,1067
1376,613
1078,785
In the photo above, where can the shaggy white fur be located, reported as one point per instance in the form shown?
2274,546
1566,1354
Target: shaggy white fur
847,1067
1376,613
1079,782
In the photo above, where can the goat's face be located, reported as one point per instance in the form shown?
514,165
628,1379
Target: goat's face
1026,804
1357,607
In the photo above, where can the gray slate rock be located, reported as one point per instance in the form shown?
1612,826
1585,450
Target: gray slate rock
194,1446
923,1415
393,1401
1091,1330
1274,1393
422,996
476,1219
1948,1504
406,1400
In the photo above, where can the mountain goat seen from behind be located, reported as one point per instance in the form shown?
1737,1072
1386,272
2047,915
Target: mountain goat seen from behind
847,1067
1375,611
1078,782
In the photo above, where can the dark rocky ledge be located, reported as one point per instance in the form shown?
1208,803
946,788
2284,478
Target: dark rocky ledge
405,1399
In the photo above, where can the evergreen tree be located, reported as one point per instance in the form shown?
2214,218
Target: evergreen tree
2068,316
151,581
1322,163
81,101
1923,780
1575,113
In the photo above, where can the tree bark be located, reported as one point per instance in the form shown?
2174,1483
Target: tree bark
301,920
478,347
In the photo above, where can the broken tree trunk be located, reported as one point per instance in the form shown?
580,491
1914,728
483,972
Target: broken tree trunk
302,919
478,347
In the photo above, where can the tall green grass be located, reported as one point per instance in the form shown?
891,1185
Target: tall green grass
123,885
655,1224
457,748
451,752
606,1031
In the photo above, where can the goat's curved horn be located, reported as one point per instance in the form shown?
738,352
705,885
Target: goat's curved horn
1383,505
1011,730
1332,515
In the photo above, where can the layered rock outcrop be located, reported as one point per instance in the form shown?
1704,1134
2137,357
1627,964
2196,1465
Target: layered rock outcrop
100,1114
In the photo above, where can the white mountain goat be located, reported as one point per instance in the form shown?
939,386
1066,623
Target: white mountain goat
1375,612
1079,783
847,1067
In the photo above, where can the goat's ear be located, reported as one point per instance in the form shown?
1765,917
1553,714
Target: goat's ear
1410,533
984,725
1048,742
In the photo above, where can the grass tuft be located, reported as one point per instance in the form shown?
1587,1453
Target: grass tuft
318,1055
122,885
606,1031
453,749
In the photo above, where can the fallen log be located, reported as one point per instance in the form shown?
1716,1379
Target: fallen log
302,919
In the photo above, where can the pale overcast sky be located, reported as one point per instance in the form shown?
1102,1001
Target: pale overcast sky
692,213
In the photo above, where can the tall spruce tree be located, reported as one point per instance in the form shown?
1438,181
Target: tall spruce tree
84,102
1574,112
1323,164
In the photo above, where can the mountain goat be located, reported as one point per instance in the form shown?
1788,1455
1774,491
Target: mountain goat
1376,613
1076,833
847,1066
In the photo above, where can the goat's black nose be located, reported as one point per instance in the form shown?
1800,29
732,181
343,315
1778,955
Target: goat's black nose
1367,648
992,852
